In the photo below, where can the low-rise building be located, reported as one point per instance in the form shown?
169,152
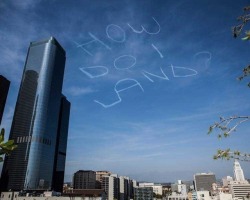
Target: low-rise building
157,188
143,193
239,190
177,196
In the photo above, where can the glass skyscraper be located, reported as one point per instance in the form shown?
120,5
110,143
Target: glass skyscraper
40,122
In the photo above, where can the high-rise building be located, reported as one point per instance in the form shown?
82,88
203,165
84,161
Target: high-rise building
84,179
4,89
238,172
61,145
111,186
40,122
204,181
239,188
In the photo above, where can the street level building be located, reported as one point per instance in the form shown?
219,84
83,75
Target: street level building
40,122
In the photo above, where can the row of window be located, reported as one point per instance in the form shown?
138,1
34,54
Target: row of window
39,139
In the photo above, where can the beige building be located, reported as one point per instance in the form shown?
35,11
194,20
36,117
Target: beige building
157,188
100,174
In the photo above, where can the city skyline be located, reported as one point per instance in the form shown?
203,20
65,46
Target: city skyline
145,80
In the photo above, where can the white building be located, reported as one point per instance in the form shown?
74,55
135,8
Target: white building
176,196
179,187
124,187
238,172
226,180
134,183
157,188
239,190
201,195
108,186
224,196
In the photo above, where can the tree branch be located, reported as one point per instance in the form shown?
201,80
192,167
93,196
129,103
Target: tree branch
224,125
228,154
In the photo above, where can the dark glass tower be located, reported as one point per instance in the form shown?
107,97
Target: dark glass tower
4,89
40,122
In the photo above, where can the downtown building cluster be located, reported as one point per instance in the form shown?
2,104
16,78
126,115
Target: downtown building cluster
112,186
206,187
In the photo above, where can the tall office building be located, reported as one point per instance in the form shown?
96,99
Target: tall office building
4,89
238,172
40,122
204,181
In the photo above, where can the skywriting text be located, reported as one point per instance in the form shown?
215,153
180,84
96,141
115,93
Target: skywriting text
117,34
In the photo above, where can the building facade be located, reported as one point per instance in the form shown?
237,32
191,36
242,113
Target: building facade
238,172
157,188
239,190
145,193
40,122
179,188
4,89
204,181
99,175
84,179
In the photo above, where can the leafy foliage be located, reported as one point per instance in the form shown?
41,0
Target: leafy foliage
5,147
226,126
244,19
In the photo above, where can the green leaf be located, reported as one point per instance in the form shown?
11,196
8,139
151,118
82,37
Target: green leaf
210,130
2,135
246,38
9,145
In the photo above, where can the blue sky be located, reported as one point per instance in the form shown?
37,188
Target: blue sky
145,80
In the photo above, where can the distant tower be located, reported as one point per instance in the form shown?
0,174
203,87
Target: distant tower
238,172
4,88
